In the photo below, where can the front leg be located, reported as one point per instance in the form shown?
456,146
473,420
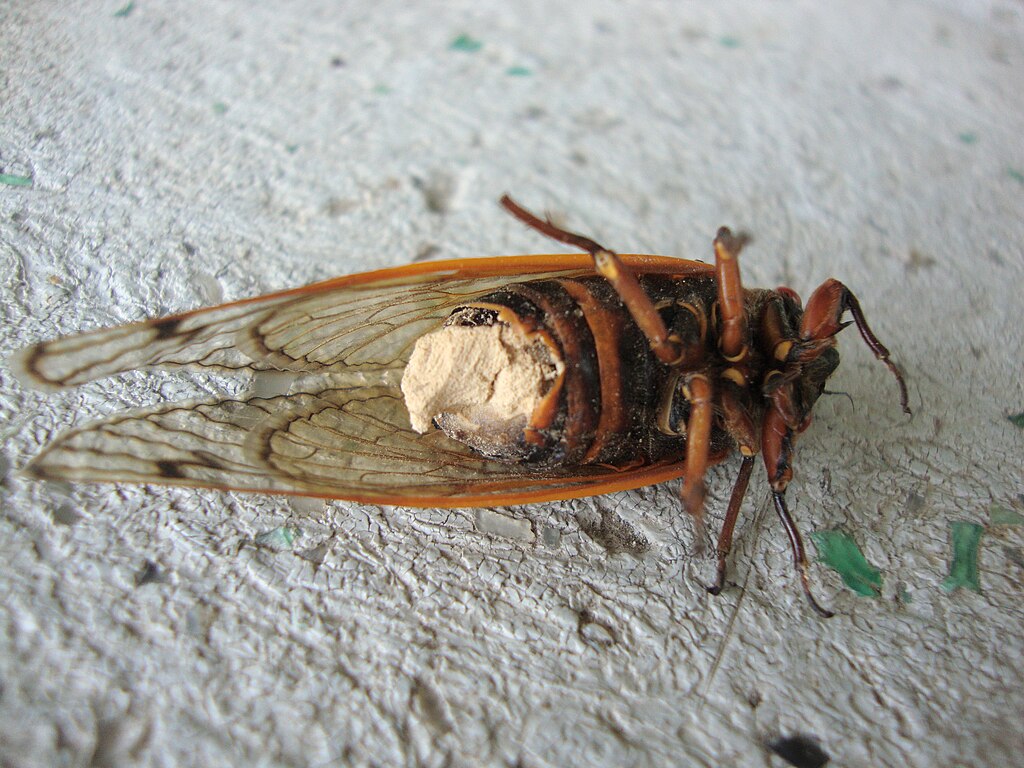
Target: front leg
821,321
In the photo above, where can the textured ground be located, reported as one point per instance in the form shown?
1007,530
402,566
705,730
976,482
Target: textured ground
159,157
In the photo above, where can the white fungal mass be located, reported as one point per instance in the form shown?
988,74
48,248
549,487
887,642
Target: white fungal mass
485,379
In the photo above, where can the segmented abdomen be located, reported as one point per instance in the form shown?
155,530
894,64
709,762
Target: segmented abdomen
613,383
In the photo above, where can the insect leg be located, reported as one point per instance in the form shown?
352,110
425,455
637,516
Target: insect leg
821,320
778,341
799,556
734,405
733,333
737,421
697,390
777,446
607,263
739,490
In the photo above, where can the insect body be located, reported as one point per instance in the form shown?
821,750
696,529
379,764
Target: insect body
546,382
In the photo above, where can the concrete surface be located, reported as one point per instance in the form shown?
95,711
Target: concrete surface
184,153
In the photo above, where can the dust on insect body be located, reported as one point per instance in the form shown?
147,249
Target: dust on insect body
522,379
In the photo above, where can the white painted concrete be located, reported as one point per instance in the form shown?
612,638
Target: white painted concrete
191,152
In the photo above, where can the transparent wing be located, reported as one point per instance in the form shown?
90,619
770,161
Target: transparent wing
351,443
338,441
361,323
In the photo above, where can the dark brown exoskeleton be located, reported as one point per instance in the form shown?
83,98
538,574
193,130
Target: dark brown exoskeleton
660,368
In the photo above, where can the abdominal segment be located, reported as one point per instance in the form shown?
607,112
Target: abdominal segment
549,372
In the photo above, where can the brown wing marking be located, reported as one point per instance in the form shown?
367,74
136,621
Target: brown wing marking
341,443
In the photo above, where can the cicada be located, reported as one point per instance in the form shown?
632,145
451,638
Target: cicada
477,382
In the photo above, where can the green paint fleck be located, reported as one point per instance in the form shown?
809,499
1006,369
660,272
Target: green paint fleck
1016,175
841,553
728,41
14,180
278,538
999,515
905,596
1017,419
466,44
963,571
381,89
124,10
291,149
518,71
219,107
968,138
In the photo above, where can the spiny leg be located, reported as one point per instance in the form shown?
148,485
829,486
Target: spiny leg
777,447
821,320
739,491
667,348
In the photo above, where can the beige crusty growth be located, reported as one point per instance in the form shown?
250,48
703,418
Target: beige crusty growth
481,379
